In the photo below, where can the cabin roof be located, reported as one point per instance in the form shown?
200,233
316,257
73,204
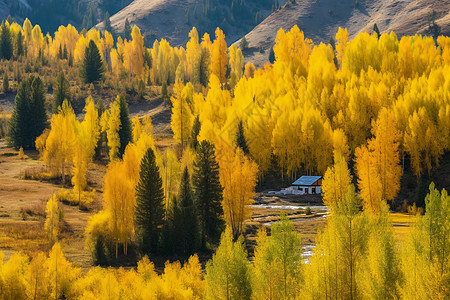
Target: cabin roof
306,180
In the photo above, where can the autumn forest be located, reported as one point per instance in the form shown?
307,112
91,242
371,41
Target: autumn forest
369,113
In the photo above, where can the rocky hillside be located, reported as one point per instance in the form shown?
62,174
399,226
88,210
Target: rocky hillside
319,19
173,19
50,14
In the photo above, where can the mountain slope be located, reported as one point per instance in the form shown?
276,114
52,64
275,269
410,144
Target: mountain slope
156,16
50,14
320,19
174,19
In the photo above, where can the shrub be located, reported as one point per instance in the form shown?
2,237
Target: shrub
308,211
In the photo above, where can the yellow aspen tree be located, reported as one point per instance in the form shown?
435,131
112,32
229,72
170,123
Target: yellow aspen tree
80,47
206,42
38,284
51,225
228,273
259,135
336,182
170,170
116,62
422,142
193,52
91,125
278,267
191,276
236,64
238,176
341,43
37,40
381,277
87,135
27,28
137,128
386,154
181,121
61,274
118,190
13,276
219,56
266,275
425,253
111,124
339,255
80,161
59,145
340,144
133,53
292,51
108,43
249,70
369,181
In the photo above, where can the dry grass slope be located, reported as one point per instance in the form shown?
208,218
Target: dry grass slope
319,19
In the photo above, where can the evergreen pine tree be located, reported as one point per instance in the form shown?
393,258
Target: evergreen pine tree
195,132
107,23
125,133
19,44
60,53
5,82
240,139
164,93
271,56
65,55
29,117
375,29
70,60
38,112
149,203
127,30
243,44
208,193
186,229
92,68
61,92
5,42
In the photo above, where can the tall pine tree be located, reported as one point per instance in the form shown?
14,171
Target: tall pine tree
186,226
127,30
19,44
29,117
208,193
195,132
149,203
62,91
125,134
5,41
92,68
240,139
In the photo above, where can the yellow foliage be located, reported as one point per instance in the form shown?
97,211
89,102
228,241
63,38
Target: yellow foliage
219,56
336,183
238,176
22,155
61,140
52,219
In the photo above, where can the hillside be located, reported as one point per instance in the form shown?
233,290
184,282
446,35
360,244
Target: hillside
319,19
79,13
173,19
